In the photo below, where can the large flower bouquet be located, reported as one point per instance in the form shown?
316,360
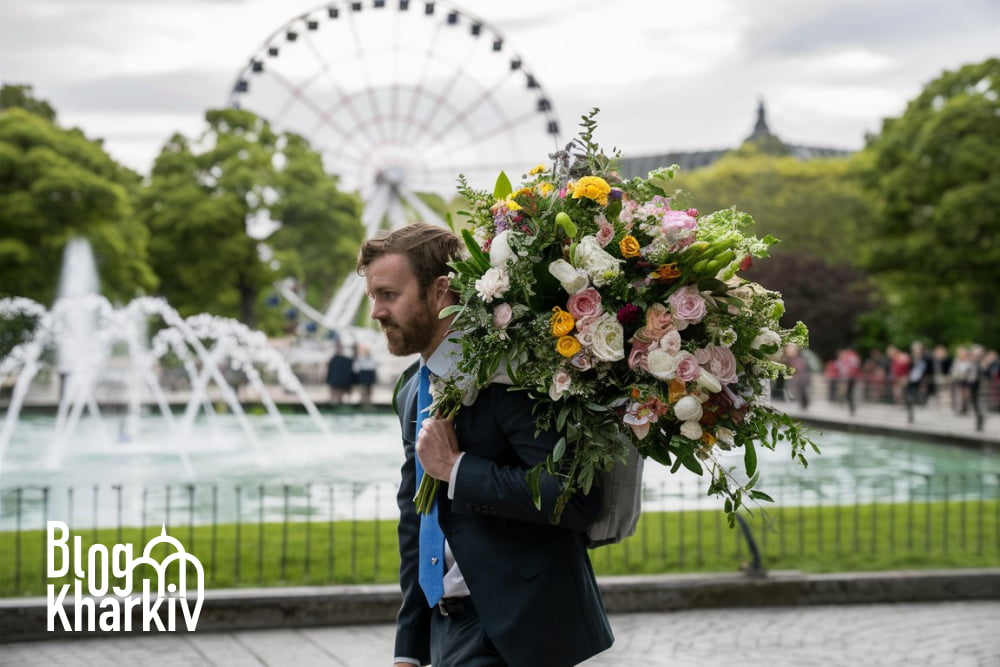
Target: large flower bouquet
625,316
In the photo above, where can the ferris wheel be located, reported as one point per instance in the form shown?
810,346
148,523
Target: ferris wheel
400,98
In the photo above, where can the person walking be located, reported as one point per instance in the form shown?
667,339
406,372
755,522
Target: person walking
487,579
919,378
799,383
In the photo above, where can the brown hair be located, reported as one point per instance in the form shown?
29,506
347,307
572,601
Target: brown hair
427,247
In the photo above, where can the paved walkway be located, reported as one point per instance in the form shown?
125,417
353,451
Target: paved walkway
948,634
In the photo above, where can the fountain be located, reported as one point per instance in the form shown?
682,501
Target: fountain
103,356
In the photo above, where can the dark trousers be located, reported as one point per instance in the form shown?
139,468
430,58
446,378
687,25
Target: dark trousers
459,641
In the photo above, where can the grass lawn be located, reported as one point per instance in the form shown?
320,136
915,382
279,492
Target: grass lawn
963,534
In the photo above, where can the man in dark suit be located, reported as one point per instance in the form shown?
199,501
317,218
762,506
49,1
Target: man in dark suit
517,590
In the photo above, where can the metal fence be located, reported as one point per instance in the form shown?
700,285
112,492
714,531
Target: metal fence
345,533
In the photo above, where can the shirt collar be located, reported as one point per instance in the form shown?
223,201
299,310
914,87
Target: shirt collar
444,360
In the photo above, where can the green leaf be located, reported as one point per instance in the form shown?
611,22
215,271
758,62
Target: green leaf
502,187
450,310
481,259
534,486
559,450
750,458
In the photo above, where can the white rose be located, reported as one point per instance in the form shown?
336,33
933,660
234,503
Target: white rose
691,430
770,338
661,365
608,342
493,284
597,262
687,409
571,278
500,252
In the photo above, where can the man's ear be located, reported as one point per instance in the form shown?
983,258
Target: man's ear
442,290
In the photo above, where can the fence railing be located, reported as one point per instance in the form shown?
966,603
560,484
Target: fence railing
269,534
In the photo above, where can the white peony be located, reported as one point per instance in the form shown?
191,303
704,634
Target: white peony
662,365
688,409
571,278
493,284
691,430
608,340
600,265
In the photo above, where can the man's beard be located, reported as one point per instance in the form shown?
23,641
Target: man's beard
412,337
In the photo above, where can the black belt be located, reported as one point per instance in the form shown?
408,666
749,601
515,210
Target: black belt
455,606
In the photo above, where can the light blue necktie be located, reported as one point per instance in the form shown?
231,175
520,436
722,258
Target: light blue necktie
431,575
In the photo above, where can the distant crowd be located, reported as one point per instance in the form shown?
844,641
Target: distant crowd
965,380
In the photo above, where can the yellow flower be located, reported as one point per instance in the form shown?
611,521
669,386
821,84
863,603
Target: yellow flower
562,322
537,170
512,205
522,191
592,187
544,188
629,247
567,346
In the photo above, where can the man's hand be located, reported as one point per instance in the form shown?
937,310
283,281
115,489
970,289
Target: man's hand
437,447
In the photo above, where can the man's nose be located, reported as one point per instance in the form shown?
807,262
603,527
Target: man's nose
377,311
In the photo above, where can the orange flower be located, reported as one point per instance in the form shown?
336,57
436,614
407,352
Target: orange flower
629,246
666,272
676,390
567,346
562,322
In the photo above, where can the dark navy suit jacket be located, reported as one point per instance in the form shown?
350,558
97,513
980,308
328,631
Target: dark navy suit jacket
531,581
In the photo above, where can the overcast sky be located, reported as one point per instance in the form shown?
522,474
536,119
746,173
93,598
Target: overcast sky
668,75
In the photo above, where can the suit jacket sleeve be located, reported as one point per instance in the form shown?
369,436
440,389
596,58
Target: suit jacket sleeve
487,485
413,621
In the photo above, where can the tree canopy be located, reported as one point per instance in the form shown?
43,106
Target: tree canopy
202,196
55,184
816,209
935,171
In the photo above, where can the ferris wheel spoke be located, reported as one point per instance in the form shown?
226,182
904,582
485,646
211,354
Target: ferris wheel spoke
342,98
322,117
369,84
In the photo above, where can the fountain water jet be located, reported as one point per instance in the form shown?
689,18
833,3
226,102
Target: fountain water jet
88,336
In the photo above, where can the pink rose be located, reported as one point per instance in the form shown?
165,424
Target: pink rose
585,303
719,361
688,368
671,342
502,315
605,232
637,357
688,305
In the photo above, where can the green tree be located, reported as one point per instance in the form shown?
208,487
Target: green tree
22,96
817,208
320,232
55,184
202,196
935,171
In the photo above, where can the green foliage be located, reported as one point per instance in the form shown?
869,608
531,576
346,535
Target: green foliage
819,210
197,206
21,96
936,173
55,184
